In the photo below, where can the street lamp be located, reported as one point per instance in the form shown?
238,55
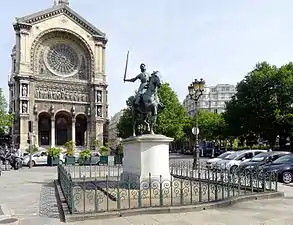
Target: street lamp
196,90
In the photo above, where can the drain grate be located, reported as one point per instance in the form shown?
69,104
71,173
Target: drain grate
9,220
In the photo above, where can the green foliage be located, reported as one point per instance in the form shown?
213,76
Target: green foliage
104,150
6,120
171,120
210,124
119,149
97,143
69,145
85,154
54,153
262,105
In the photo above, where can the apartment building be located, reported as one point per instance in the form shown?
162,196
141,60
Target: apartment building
213,99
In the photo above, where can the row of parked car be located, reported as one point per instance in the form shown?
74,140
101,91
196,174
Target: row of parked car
262,160
41,158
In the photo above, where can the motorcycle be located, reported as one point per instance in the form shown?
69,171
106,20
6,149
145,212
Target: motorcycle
11,159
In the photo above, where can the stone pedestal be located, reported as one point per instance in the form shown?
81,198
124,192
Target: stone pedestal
146,157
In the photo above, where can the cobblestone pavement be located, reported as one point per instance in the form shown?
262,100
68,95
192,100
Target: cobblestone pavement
30,194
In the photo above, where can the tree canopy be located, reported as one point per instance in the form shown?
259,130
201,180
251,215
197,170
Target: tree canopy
6,120
171,120
262,105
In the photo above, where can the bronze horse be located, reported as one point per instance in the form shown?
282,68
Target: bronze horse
148,104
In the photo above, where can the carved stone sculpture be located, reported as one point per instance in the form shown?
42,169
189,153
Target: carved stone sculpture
52,111
99,111
24,107
99,96
35,109
73,111
88,111
24,90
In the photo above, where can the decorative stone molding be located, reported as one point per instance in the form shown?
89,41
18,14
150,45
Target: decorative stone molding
61,9
65,34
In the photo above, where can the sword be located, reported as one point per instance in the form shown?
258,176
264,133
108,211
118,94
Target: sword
126,66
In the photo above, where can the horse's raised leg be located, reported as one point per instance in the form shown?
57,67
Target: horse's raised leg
154,118
145,116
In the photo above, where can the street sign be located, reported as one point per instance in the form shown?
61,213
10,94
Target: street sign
195,131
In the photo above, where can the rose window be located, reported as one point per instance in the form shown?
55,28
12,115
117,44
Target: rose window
62,60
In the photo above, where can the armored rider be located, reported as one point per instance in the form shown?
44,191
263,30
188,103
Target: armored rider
144,78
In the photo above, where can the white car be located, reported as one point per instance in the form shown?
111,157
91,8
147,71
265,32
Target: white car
40,158
232,161
211,162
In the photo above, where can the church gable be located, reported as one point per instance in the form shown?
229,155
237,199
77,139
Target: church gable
58,10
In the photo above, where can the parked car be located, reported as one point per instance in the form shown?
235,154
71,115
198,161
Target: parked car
40,158
232,161
262,159
283,166
211,162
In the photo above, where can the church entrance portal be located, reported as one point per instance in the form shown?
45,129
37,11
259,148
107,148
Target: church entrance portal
63,125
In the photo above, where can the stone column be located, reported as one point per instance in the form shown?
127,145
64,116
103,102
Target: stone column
73,130
88,135
36,132
52,132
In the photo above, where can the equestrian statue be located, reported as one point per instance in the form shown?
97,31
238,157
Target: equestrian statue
146,101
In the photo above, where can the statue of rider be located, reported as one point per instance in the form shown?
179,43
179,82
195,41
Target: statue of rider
144,78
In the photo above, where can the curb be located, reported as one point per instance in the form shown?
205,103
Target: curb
156,210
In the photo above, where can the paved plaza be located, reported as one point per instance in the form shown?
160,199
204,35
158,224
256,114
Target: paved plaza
29,193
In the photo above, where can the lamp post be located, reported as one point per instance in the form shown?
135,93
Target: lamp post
196,90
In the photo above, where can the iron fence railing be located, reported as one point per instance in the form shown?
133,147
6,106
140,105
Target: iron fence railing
94,189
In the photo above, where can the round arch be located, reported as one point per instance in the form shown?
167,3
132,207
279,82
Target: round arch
64,33
63,127
44,128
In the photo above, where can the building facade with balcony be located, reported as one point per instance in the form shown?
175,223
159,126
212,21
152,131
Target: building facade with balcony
214,99
114,140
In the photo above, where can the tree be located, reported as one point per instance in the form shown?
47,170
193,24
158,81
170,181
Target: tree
210,124
6,120
171,120
261,105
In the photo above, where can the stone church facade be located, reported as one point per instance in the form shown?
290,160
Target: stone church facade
58,88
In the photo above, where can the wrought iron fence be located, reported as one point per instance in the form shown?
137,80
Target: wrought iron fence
94,189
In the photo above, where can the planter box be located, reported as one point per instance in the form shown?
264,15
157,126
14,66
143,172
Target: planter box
118,159
69,160
107,160
53,162
90,161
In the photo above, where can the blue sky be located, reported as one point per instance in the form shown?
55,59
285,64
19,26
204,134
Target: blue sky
219,41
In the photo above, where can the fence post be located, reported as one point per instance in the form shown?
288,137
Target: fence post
251,180
209,184
150,188
161,191
171,188
216,185
118,193
222,184
199,186
276,181
107,191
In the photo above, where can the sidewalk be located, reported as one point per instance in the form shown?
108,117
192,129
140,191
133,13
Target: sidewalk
30,195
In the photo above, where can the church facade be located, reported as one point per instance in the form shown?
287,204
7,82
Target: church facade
57,86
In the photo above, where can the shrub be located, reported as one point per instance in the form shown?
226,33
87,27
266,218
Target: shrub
69,147
54,153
